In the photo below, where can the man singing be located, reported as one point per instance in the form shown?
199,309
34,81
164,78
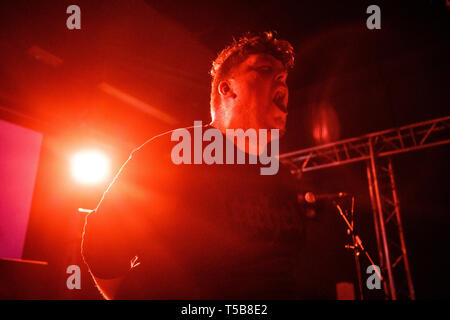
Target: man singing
222,230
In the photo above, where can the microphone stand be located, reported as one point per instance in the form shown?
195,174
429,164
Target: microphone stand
357,246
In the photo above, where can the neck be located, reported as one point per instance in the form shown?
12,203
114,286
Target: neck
250,145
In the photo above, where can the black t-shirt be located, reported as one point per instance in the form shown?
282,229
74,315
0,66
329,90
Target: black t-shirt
219,231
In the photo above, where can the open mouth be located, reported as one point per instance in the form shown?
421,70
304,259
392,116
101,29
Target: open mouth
280,100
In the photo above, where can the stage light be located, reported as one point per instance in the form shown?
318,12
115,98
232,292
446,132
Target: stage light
310,197
326,127
89,166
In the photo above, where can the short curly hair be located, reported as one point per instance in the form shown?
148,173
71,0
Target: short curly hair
233,55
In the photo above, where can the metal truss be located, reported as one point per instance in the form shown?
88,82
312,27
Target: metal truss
376,150
384,143
389,230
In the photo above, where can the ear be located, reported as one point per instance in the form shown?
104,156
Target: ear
225,89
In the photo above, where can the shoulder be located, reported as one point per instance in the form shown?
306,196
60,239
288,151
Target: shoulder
166,139
160,145
154,154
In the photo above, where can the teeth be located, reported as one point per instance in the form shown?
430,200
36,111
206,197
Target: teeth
279,97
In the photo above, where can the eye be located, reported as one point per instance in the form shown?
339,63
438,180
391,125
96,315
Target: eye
265,69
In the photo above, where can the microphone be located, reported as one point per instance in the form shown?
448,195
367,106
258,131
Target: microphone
311,197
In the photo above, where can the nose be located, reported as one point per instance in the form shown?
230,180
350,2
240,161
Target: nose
281,77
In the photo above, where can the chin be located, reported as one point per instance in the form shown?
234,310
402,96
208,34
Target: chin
279,124
282,131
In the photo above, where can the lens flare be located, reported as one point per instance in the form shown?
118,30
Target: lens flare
89,166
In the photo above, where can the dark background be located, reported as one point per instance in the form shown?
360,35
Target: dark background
348,79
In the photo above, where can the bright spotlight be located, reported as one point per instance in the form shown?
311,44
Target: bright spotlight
89,166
